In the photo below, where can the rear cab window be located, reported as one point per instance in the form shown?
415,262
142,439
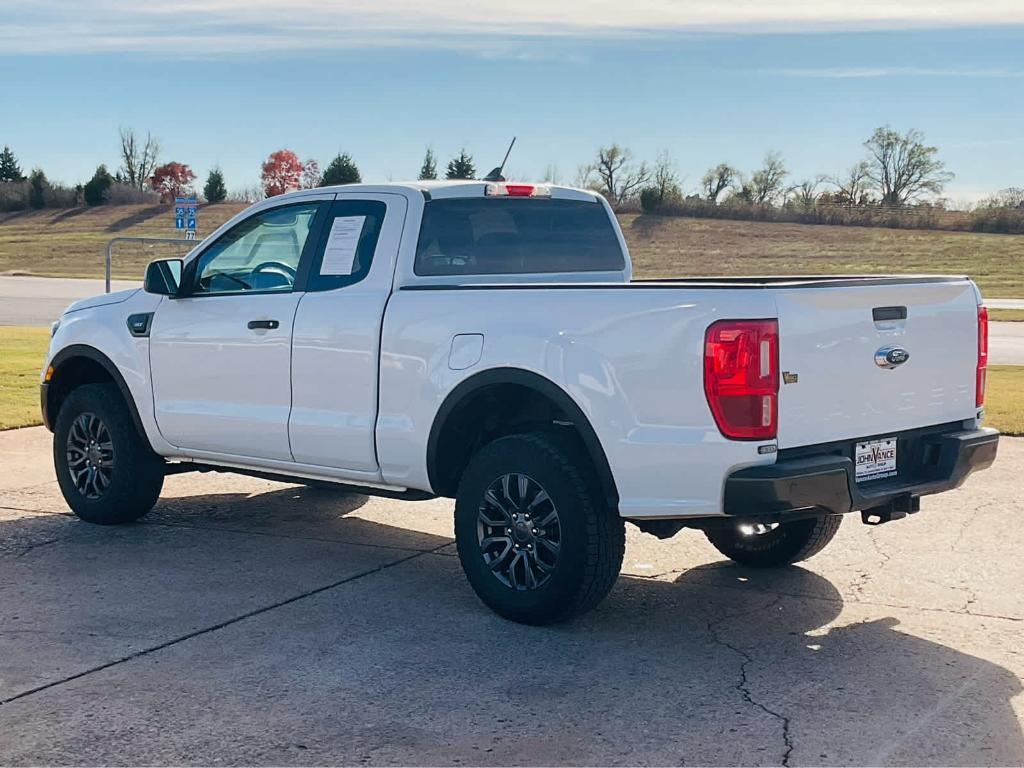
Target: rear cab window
510,236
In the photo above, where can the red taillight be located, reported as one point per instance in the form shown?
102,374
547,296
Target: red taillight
979,391
741,377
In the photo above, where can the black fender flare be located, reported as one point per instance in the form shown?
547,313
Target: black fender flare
542,386
74,351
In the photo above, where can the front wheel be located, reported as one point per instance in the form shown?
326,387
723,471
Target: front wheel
536,542
768,545
106,470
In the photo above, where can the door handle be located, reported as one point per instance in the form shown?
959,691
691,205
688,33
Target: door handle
262,324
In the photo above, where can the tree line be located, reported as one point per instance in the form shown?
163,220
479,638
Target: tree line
142,178
900,176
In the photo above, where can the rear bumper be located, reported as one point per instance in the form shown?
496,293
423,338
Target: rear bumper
825,483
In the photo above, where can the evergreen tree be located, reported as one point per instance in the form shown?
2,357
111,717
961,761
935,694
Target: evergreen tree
37,188
9,170
215,191
428,171
95,189
341,170
461,167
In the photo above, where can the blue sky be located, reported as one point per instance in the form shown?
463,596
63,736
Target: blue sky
227,82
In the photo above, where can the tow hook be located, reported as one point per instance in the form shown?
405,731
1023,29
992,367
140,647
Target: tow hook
896,509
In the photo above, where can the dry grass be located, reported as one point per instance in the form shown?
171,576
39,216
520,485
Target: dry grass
664,247
1006,315
71,243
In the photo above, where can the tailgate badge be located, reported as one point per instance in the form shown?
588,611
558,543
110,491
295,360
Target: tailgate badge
890,357
789,377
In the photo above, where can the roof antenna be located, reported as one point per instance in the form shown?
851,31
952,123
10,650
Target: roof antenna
495,174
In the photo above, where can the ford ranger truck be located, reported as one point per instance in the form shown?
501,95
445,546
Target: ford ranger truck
485,342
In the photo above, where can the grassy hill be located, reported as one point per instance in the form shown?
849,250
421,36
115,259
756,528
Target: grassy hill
71,243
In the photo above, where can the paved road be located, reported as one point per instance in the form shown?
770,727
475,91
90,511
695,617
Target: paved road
1006,343
252,622
41,300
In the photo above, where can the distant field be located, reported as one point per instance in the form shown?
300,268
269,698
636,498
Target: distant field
70,243
662,247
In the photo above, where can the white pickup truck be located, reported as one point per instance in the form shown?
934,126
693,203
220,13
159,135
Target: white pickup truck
485,342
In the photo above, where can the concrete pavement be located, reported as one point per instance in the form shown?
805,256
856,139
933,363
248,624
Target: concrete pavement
246,621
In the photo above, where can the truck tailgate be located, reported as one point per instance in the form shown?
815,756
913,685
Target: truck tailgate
829,336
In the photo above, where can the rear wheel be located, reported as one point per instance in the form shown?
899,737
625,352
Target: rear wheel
536,541
768,545
106,470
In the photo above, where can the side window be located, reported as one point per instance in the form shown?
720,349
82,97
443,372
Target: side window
261,253
350,234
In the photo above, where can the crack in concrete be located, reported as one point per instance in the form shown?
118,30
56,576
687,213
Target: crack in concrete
743,685
273,535
35,546
842,600
215,627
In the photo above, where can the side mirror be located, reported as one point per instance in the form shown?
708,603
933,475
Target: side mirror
163,277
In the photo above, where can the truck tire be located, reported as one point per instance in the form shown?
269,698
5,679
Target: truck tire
536,539
105,468
770,547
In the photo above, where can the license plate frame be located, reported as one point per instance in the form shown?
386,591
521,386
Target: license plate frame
875,459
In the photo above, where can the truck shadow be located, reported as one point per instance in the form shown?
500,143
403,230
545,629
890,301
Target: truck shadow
723,665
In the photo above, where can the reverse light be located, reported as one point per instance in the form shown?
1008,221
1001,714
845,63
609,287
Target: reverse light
517,190
741,377
979,390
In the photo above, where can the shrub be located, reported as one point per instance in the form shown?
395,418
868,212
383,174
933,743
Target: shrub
120,193
650,199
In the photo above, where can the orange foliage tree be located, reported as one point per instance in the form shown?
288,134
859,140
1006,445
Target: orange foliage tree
282,172
171,180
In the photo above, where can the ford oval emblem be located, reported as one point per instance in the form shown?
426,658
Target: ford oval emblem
890,357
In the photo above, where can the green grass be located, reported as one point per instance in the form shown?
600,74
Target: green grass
1007,315
71,242
1004,399
22,351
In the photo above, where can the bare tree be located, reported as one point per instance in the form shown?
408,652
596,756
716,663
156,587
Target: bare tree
585,177
717,180
805,194
1011,197
903,168
620,179
854,187
765,185
665,177
137,160
552,175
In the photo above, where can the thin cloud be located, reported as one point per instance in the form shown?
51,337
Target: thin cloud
869,72
216,27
